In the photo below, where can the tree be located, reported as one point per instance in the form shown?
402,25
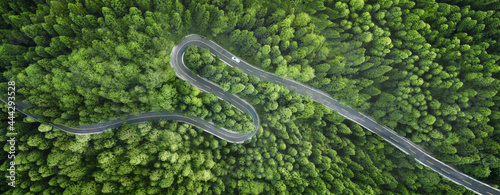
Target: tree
123,52
237,88
301,19
429,119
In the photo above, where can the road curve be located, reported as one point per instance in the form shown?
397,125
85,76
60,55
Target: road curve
369,123
183,72
230,136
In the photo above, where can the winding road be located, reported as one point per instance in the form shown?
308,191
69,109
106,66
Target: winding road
318,96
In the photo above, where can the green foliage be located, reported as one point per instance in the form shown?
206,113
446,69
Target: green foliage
201,61
428,70
424,69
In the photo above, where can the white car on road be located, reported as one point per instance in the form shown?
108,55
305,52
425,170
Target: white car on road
236,59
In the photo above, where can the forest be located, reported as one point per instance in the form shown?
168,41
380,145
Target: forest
426,68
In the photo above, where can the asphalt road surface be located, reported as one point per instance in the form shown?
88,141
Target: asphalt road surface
368,123
224,134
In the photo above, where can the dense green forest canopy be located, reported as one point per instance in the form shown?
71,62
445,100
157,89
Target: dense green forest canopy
427,69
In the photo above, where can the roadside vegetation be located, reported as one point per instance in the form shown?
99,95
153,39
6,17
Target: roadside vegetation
429,70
